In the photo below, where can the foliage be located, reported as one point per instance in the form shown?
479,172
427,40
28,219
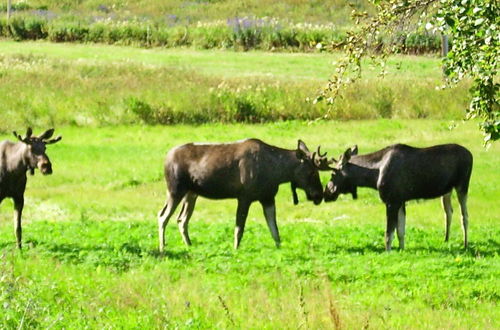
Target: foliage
238,33
471,24
475,28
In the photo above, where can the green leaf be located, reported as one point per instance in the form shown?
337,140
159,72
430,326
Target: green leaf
450,21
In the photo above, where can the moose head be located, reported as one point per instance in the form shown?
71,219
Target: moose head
340,182
311,163
34,155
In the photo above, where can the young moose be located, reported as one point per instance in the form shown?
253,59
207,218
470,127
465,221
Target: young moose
401,173
248,170
15,160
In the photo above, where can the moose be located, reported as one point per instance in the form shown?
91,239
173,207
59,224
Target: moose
15,160
401,173
247,170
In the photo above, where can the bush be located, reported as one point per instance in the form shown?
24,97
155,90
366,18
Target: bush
421,43
67,32
20,6
24,28
237,33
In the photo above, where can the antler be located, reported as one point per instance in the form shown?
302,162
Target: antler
319,152
57,139
29,131
46,135
323,164
18,136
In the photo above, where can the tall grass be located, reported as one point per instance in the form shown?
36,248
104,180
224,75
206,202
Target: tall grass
110,85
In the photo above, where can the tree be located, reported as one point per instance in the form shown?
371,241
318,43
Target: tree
472,26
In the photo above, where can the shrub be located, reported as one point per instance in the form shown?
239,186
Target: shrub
67,32
238,33
24,28
420,43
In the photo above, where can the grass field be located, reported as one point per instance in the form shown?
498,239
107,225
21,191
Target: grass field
90,258
68,84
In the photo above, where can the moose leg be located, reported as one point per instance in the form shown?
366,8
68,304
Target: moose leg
401,226
462,199
392,211
270,214
185,215
163,217
448,210
241,218
18,211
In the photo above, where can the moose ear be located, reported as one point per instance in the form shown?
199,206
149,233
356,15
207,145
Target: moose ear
302,151
47,134
354,150
347,155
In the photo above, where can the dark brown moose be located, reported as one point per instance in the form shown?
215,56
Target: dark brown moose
15,160
401,173
248,170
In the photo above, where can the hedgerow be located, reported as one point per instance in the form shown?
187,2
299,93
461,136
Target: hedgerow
235,33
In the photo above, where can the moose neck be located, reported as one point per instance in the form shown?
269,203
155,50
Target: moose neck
18,164
285,163
363,172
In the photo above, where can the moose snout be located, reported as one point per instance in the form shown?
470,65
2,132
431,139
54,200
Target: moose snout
45,167
330,194
315,197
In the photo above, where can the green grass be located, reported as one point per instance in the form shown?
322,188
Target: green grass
283,66
106,85
182,12
90,256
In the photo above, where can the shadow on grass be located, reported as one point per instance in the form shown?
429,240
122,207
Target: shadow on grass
357,250
487,248
5,245
104,254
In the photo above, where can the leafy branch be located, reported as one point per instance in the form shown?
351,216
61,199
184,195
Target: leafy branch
472,25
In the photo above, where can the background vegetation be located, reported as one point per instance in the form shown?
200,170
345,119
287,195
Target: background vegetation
102,85
473,53
186,12
90,257
301,26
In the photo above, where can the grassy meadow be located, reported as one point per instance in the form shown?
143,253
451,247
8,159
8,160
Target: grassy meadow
71,84
90,255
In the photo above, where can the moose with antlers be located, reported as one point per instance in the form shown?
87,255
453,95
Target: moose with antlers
15,160
248,170
401,173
